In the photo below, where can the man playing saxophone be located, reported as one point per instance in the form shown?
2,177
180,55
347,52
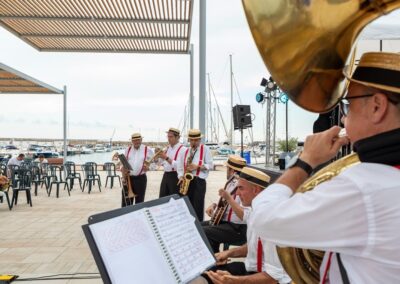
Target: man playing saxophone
197,161
136,154
169,183
354,217
227,223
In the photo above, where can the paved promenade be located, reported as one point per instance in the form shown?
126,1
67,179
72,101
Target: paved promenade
47,238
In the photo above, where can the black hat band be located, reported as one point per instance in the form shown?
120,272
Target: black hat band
175,132
194,136
236,165
376,75
254,179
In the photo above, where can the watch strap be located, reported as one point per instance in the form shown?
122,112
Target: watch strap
303,165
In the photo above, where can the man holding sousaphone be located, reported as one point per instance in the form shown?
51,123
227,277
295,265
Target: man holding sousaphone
355,216
137,154
227,224
193,168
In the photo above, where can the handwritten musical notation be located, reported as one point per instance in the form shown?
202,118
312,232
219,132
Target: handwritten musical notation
126,232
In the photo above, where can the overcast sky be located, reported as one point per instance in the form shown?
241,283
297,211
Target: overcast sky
144,92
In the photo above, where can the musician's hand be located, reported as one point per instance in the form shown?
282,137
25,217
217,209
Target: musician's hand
163,155
192,167
180,181
223,277
146,167
224,194
222,257
321,147
124,171
210,209
123,181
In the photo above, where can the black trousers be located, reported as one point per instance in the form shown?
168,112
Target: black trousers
139,184
226,232
169,184
234,268
196,194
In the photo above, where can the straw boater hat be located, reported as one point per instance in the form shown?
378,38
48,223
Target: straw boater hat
255,177
235,162
194,134
174,130
136,136
379,70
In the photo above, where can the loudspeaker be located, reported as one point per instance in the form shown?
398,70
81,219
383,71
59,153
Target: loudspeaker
241,116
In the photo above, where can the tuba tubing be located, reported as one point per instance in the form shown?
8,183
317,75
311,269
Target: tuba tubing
305,46
302,265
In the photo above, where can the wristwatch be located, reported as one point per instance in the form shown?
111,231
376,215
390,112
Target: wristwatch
297,162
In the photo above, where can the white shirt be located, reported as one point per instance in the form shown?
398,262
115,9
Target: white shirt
233,217
14,162
357,214
207,161
271,264
171,153
135,158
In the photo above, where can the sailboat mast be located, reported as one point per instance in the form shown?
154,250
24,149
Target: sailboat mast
231,110
210,120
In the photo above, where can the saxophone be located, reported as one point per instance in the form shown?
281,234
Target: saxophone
187,175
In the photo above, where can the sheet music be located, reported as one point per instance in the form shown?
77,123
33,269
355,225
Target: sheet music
180,235
130,251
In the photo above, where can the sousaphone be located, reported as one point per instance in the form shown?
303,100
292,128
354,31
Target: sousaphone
305,45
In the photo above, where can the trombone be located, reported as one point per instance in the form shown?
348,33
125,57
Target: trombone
130,193
157,151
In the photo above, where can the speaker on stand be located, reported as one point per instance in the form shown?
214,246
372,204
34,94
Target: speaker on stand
241,120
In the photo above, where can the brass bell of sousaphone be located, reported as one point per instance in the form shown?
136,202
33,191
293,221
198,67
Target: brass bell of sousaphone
305,45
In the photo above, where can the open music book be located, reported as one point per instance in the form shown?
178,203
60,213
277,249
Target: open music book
124,162
157,244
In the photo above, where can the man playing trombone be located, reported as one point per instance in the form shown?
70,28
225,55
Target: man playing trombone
169,183
136,155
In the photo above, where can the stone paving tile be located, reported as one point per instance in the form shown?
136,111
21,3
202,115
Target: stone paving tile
48,239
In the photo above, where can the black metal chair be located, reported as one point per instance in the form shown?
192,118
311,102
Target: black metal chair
44,173
71,174
4,194
90,176
37,178
13,171
111,174
3,169
56,173
23,184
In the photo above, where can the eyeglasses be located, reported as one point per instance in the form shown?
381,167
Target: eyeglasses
345,104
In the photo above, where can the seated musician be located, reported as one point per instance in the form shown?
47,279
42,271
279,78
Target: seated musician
262,264
226,224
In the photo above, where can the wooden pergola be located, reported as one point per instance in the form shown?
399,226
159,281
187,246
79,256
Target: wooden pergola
137,26
148,26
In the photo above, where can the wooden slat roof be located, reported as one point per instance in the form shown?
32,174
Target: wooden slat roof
149,26
15,82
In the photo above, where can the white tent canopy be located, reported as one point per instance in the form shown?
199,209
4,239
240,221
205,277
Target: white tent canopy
384,28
